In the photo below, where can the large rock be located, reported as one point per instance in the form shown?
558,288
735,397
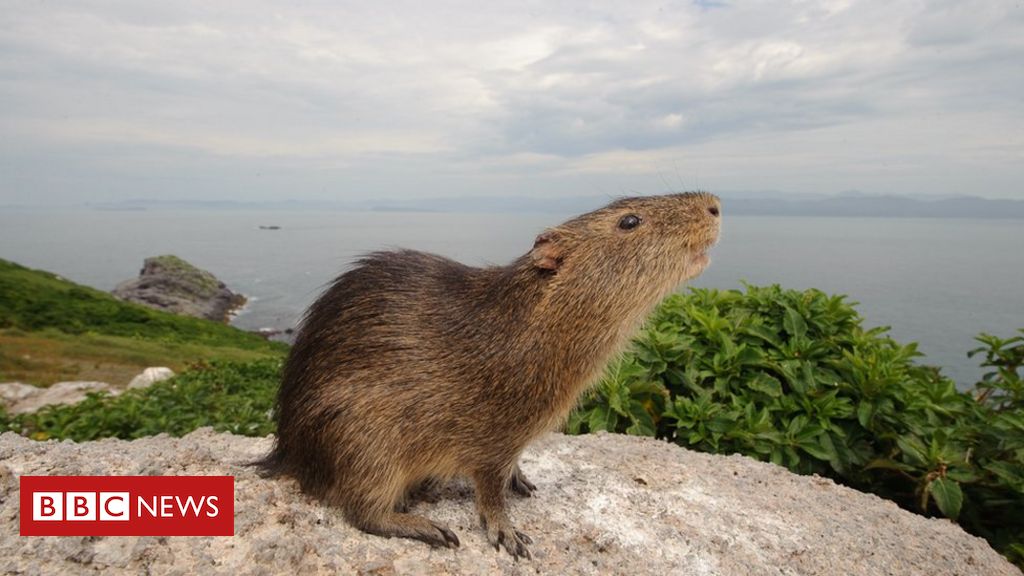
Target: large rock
12,393
17,397
151,376
606,504
171,284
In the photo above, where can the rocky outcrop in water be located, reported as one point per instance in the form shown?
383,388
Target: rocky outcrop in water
173,285
605,504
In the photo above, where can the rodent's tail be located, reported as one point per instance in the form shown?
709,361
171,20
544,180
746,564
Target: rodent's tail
270,465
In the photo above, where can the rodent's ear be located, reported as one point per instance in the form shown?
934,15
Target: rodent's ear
547,250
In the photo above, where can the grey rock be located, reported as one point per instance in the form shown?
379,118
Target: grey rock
18,397
173,285
13,392
606,504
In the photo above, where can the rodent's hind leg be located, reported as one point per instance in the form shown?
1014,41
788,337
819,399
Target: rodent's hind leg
490,503
519,484
374,511
402,525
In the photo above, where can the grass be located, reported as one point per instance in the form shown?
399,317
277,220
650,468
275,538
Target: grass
48,356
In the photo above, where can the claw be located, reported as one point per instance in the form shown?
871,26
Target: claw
513,541
451,540
519,484
444,538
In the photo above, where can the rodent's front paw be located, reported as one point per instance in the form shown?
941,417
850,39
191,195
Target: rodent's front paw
513,540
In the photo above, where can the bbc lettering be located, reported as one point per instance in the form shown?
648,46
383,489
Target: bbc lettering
127,505
71,506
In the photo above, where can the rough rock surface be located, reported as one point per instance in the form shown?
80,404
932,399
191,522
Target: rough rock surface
606,504
17,397
171,284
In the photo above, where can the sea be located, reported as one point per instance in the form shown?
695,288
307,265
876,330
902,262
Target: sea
935,281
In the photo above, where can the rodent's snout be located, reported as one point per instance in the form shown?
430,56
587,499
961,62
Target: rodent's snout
714,206
713,219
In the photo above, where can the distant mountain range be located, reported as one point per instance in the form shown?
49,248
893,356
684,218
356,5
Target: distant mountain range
847,204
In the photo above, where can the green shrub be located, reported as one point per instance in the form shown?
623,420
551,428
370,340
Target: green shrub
791,377
229,396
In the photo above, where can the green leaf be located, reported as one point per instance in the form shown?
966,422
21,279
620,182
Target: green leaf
864,412
832,455
721,424
1012,474
808,377
948,496
962,475
794,323
815,449
766,384
615,401
789,370
646,387
886,464
602,418
913,450
643,423
575,422
765,334
748,356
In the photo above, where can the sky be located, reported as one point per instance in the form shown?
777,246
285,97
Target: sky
267,101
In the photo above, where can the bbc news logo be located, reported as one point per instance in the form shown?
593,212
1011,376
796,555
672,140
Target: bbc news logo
127,506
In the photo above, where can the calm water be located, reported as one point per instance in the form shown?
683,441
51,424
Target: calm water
935,281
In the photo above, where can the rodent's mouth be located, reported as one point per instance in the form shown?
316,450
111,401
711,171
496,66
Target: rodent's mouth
699,257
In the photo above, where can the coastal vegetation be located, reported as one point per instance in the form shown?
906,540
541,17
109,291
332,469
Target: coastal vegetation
52,329
791,377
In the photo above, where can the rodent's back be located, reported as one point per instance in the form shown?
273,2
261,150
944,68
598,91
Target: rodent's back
386,297
393,308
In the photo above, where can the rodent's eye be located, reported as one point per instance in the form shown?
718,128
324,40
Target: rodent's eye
629,221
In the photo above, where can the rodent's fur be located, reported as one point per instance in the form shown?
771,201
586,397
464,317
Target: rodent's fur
413,367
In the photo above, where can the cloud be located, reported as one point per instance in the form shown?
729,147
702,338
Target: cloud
330,98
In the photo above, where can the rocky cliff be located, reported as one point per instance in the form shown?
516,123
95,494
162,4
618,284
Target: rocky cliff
171,284
606,504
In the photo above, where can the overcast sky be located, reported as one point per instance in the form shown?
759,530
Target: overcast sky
254,100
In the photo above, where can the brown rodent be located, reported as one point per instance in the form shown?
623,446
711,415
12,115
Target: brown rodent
412,367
